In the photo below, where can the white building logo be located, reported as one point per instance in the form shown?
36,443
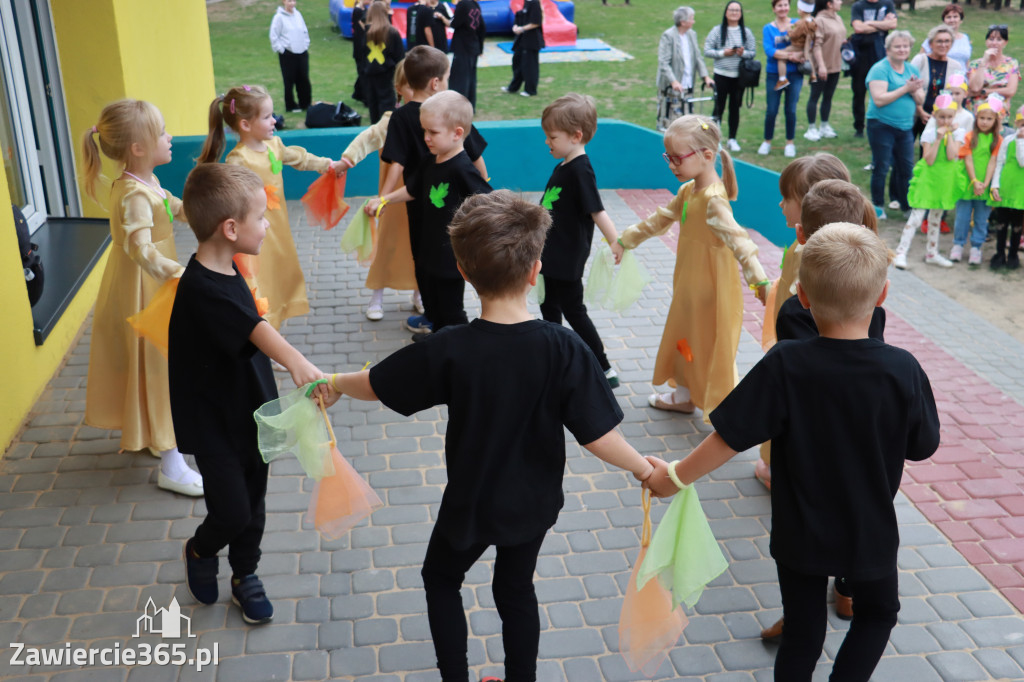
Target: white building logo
170,620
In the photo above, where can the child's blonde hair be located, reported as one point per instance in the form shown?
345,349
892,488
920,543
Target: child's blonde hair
236,105
700,132
121,124
400,81
832,201
800,175
843,270
570,113
215,192
453,109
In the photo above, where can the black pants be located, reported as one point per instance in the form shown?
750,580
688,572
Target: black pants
729,88
825,89
442,298
235,508
444,569
525,71
357,87
295,71
379,91
858,83
565,297
875,605
463,76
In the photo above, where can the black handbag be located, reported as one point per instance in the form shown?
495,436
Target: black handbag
750,78
327,115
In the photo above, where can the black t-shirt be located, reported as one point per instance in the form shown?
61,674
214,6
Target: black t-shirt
218,378
438,27
842,416
870,46
510,389
393,53
440,188
417,21
358,32
571,196
404,141
468,29
529,14
796,323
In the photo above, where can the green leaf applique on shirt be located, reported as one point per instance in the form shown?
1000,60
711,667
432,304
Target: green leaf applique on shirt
167,207
550,197
437,194
275,163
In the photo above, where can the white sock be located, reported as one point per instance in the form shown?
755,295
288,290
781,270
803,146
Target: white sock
173,466
377,297
681,395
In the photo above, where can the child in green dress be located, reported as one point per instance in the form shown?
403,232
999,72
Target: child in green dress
1008,196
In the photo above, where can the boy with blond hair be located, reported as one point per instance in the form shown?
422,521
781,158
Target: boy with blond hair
572,197
438,186
218,354
512,384
426,70
843,412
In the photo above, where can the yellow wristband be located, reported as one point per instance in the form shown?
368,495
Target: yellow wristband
380,207
672,475
330,382
758,285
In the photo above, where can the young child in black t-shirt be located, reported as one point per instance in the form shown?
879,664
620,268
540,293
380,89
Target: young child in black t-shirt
511,384
468,32
843,412
218,348
440,183
575,204
426,71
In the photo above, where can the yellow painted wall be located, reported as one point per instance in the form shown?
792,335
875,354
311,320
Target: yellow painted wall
108,49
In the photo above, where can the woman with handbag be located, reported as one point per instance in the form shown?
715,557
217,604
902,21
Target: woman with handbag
729,44
789,82
829,37
680,62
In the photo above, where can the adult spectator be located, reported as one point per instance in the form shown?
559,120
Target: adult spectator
896,89
290,40
680,63
871,20
776,37
828,63
953,16
935,68
995,73
728,44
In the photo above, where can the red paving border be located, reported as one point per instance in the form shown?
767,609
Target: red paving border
972,488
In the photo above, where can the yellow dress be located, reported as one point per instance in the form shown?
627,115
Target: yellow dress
127,385
706,311
392,266
781,291
277,272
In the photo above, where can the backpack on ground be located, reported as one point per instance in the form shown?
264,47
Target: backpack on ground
328,115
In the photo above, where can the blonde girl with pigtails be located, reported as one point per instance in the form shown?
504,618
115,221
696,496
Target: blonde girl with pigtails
127,386
275,273
697,355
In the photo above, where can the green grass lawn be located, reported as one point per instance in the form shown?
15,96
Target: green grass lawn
623,90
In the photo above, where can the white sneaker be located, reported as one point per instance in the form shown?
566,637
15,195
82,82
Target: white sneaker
956,253
734,146
765,148
869,167
894,205
812,134
938,259
417,302
789,151
975,257
900,261
828,132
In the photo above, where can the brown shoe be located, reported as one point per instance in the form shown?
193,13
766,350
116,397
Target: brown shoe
844,604
773,633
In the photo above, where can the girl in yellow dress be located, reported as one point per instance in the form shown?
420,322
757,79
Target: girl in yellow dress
275,273
127,387
697,355
392,265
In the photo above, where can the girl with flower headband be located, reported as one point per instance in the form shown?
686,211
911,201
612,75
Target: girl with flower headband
979,155
929,191
697,355
127,387
275,273
956,87
1008,196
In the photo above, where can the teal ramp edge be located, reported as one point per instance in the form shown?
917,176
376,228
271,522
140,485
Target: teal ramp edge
624,155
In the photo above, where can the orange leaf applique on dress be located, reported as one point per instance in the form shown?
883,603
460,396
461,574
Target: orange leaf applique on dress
273,201
684,349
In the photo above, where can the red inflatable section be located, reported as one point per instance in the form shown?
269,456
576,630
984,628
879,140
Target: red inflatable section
558,31
398,19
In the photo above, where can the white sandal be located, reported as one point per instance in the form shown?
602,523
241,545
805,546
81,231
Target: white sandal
375,312
665,401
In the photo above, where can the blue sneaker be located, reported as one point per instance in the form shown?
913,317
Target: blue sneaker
419,324
200,575
249,595
880,213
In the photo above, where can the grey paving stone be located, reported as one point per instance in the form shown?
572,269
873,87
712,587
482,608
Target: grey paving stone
416,628
614,669
255,667
310,665
999,664
948,607
570,643
950,635
599,586
336,634
405,602
995,632
916,611
281,638
20,582
351,607
45,631
957,666
726,600
35,606
987,604
581,670
406,657
908,639
372,581
559,590
596,562
375,631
